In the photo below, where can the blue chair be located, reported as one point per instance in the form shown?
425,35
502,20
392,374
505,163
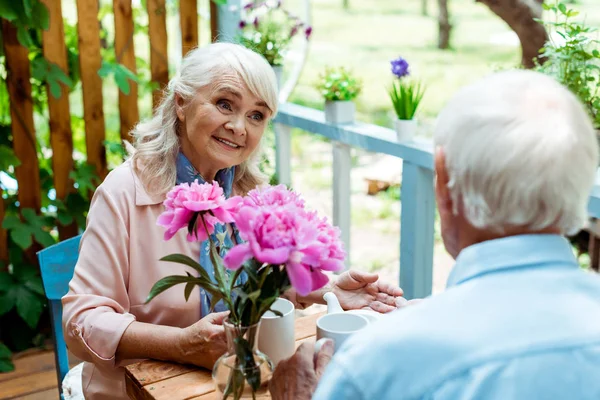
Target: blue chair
57,264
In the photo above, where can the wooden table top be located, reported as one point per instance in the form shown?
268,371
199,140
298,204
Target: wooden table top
160,380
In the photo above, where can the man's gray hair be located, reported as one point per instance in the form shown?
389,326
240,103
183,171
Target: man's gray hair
520,151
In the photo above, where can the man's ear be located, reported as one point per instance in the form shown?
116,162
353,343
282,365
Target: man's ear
179,103
442,193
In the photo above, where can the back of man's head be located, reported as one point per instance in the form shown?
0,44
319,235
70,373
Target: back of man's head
520,151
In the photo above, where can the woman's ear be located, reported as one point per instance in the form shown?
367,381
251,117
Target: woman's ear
179,104
442,192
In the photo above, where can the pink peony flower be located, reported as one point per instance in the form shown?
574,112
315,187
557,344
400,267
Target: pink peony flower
273,196
278,231
185,200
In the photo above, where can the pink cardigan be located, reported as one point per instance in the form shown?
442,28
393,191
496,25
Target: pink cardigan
118,264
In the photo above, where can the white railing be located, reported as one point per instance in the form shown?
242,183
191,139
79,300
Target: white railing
418,200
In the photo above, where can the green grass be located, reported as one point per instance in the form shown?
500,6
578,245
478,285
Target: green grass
371,33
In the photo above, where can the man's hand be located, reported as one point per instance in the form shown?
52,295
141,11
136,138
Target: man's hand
361,290
297,377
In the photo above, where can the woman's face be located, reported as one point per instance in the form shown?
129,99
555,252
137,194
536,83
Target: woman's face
222,125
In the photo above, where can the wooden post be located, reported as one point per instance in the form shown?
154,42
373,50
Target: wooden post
21,114
416,233
89,64
159,64
214,21
342,165
125,52
188,20
61,136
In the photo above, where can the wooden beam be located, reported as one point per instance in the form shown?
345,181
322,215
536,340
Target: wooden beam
124,49
214,21
188,20
61,136
89,64
21,114
159,64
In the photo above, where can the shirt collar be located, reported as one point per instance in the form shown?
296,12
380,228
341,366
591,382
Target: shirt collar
511,252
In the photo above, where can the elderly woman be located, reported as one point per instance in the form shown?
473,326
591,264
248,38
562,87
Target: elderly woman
208,127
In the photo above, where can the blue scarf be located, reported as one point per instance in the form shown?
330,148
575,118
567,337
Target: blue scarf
186,173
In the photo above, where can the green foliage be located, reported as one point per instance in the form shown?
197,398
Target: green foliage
338,84
22,300
575,60
406,95
269,30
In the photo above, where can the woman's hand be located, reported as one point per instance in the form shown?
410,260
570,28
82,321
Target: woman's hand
204,342
362,290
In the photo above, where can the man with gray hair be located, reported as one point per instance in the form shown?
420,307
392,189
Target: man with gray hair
515,159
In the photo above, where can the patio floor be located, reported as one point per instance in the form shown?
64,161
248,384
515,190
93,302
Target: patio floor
34,377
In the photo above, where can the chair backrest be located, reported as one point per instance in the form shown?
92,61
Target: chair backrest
57,264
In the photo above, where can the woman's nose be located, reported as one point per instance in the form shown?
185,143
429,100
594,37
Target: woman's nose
236,125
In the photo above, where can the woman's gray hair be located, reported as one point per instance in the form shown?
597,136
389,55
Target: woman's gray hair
156,142
520,151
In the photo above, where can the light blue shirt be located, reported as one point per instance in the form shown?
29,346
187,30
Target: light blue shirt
519,320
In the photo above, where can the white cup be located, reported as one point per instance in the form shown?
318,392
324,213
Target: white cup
276,336
339,326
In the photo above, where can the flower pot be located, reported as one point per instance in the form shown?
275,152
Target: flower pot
278,69
243,372
339,112
405,129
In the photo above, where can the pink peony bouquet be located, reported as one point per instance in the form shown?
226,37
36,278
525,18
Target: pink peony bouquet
284,245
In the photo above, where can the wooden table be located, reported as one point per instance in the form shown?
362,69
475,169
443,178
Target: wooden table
158,380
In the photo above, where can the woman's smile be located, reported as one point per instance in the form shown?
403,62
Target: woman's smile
226,143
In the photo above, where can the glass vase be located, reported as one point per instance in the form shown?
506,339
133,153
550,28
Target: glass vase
243,372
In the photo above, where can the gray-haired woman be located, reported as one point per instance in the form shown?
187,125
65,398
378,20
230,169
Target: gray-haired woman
208,127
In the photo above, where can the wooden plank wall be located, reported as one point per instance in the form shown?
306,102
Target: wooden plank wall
61,136
188,20
89,63
214,22
21,114
125,54
159,64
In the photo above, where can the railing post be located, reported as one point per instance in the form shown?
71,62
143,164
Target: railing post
417,230
228,21
342,164
283,153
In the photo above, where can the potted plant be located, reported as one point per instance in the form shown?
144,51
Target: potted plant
573,59
339,88
281,245
406,95
268,28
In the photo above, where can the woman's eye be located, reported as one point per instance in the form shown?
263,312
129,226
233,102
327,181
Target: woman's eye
224,104
257,117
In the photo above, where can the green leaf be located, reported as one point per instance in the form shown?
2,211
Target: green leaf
121,81
27,7
6,281
105,70
185,260
168,282
25,272
24,37
35,285
7,301
21,237
85,178
8,11
29,306
44,238
11,222
40,15
8,158
188,290
562,8
4,351
6,365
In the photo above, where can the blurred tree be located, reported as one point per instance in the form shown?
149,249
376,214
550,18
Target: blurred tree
424,10
521,16
444,26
